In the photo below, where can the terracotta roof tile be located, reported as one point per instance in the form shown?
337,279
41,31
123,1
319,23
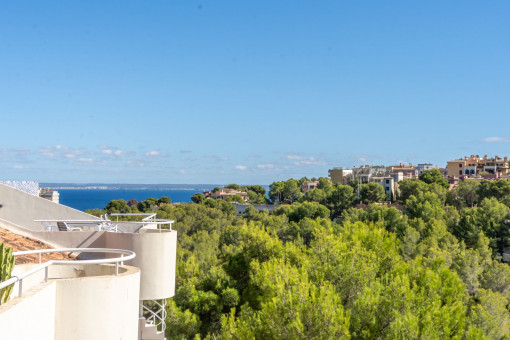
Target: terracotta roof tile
20,243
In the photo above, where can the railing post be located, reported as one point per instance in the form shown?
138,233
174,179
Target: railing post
46,274
116,268
121,262
20,288
39,258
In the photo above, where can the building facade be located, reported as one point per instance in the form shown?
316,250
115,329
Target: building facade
309,185
340,175
474,165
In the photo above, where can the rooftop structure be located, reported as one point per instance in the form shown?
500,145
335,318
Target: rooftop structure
364,172
32,188
408,171
51,195
91,300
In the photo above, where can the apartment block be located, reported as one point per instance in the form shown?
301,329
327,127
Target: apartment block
388,183
408,171
424,166
340,175
474,164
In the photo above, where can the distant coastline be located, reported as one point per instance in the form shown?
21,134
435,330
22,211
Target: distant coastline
107,186
83,196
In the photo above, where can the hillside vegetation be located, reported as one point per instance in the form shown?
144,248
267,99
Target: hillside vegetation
302,272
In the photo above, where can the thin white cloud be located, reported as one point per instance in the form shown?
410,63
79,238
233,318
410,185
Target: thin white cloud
14,152
218,158
240,167
364,159
309,161
496,140
304,161
265,166
114,151
85,160
135,163
155,153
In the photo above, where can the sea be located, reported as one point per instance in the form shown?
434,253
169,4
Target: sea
96,195
89,196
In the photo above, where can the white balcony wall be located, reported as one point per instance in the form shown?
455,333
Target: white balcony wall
85,302
97,307
32,316
157,257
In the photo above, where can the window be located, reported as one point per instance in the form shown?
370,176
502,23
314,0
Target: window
460,165
460,172
387,188
387,181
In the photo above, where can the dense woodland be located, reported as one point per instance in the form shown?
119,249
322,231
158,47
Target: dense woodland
317,268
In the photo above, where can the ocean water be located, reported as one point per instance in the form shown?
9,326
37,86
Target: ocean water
83,199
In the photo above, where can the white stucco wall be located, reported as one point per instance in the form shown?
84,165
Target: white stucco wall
22,209
32,316
156,257
85,302
98,307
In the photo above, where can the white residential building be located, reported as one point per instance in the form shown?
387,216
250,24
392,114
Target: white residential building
87,301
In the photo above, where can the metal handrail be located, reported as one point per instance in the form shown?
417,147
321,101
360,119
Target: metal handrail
148,220
154,318
133,214
143,222
19,278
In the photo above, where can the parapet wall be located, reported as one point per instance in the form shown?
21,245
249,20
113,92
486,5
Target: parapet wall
85,302
156,257
30,317
22,209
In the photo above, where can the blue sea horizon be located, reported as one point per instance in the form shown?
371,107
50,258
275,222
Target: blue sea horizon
81,199
90,196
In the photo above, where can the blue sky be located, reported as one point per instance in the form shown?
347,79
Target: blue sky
247,92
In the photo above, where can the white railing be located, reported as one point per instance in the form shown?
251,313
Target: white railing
157,317
125,255
149,219
105,224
